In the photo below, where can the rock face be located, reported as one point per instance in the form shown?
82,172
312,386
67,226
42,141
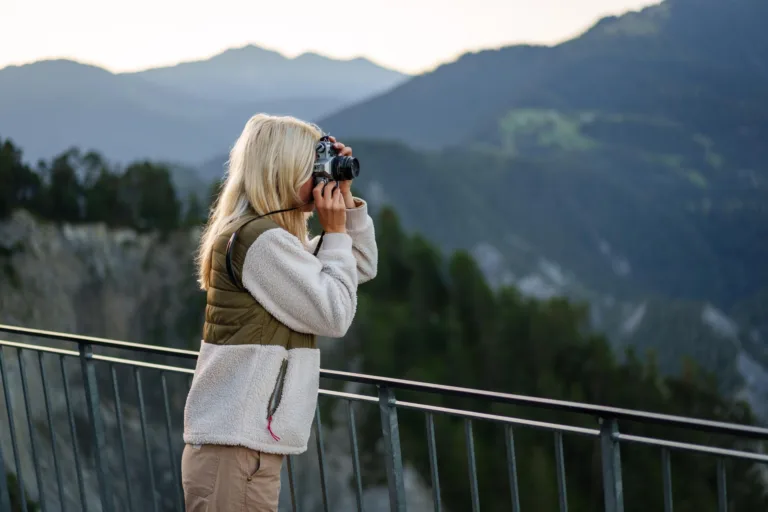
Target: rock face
90,280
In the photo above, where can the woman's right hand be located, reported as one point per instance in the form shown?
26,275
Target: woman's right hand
331,208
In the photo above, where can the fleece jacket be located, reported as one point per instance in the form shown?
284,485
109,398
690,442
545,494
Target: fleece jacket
257,375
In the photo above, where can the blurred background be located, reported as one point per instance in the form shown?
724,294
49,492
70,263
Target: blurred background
570,199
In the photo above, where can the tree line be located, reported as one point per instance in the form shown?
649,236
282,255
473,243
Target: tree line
83,187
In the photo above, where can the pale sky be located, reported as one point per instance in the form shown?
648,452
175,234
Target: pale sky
409,35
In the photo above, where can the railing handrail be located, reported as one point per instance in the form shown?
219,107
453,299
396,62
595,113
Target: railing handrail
102,342
599,411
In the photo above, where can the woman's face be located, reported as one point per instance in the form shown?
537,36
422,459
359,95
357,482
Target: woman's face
305,194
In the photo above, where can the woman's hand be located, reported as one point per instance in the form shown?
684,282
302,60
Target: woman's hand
346,185
330,206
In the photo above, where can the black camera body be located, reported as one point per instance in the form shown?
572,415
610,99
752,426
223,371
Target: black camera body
330,166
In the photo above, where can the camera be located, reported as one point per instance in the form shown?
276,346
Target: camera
329,166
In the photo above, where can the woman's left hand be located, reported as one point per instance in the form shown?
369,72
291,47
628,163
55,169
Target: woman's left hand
346,185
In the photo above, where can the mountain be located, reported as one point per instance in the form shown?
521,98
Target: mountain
663,66
184,113
242,74
632,154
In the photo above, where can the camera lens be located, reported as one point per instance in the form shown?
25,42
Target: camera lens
345,168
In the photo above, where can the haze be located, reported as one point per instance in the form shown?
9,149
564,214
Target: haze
408,35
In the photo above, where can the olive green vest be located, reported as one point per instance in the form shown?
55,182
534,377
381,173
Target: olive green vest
232,315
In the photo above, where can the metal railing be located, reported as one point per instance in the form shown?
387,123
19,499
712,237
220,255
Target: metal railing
94,442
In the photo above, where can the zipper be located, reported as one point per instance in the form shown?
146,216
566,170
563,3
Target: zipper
276,396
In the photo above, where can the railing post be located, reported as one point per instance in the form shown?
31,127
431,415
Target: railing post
391,433
609,447
97,426
5,497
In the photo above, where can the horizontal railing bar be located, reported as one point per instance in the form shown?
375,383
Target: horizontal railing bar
347,396
104,342
39,348
117,360
549,403
499,419
710,450
466,414
131,362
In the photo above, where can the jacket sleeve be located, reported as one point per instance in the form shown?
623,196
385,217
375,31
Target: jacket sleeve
360,229
314,295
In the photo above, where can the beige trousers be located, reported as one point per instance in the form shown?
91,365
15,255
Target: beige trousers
229,479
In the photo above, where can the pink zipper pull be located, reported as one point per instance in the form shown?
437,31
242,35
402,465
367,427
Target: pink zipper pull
269,427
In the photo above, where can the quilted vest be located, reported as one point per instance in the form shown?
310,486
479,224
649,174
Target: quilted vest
232,315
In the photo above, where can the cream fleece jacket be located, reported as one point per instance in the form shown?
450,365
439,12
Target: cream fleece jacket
232,385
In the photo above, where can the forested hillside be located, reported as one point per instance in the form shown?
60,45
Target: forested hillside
433,317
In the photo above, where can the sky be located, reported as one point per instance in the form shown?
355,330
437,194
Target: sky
409,35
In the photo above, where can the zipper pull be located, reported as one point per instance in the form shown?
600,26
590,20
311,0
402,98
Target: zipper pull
269,427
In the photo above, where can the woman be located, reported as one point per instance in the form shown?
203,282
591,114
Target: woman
254,391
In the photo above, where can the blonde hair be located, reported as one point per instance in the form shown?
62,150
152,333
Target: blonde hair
267,166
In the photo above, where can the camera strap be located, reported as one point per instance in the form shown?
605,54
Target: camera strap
230,243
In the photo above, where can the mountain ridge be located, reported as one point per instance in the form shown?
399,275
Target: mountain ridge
238,73
262,50
249,47
50,105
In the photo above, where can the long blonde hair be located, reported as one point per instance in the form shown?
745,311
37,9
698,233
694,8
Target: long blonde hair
268,164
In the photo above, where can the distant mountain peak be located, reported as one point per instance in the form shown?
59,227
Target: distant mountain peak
56,65
248,50
240,55
310,55
644,22
314,55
